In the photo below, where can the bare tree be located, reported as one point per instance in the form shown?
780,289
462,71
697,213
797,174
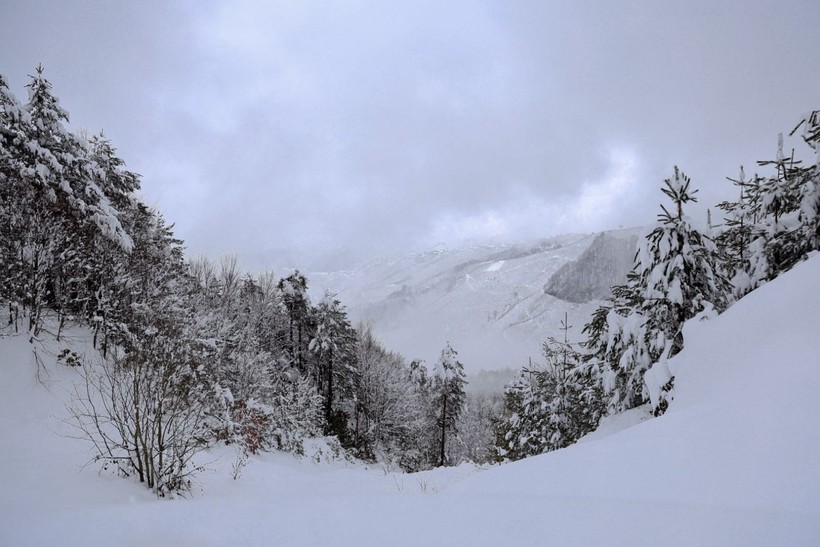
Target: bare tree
145,414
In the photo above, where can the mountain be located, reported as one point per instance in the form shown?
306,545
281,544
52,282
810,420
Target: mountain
604,263
488,301
734,461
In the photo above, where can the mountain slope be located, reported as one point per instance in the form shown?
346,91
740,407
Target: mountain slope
606,261
488,301
734,461
741,433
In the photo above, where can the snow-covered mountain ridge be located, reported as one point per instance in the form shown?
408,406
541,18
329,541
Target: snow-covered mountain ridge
488,301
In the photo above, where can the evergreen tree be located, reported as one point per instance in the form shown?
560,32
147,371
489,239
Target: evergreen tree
294,295
676,275
334,346
68,170
617,336
550,406
736,234
678,270
448,397
31,223
809,185
775,223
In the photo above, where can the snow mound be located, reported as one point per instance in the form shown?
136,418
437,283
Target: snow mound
736,458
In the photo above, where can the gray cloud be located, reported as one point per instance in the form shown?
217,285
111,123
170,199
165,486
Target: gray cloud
292,132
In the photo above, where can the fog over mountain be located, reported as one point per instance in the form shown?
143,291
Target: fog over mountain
489,301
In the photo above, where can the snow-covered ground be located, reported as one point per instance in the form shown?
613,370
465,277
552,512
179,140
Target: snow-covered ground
735,461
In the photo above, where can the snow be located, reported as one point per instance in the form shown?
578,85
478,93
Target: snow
494,318
657,376
734,461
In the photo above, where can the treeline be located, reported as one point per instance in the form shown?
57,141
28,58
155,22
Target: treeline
678,273
196,353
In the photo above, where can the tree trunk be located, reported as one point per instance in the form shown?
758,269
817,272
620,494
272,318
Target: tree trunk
329,399
443,428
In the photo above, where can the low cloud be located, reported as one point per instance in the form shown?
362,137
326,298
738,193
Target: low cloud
302,133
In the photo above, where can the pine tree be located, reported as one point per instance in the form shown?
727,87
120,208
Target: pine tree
735,236
423,451
677,268
294,295
774,224
809,186
334,346
16,197
70,172
676,275
553,405
616,343
448,397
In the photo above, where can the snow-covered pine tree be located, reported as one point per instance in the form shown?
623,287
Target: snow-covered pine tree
774,224
102,264
16,200
553,405
523,432
809,186
56,206
70,172
34,228
333,344
117,183
777,244
448,397
293,291
677,275
616,349
735,234
678,269
574,402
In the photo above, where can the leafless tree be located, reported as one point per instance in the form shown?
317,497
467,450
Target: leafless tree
144,413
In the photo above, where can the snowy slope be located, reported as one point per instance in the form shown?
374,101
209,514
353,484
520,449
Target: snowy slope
735,461
488,301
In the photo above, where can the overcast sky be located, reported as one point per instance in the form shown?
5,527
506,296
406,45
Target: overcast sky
297,133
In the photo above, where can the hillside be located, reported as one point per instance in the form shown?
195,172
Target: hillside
733,461
605,262
488,301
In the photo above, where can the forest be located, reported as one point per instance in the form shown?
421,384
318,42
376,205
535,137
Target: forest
196,352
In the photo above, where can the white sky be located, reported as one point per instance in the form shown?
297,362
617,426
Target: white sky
305,134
